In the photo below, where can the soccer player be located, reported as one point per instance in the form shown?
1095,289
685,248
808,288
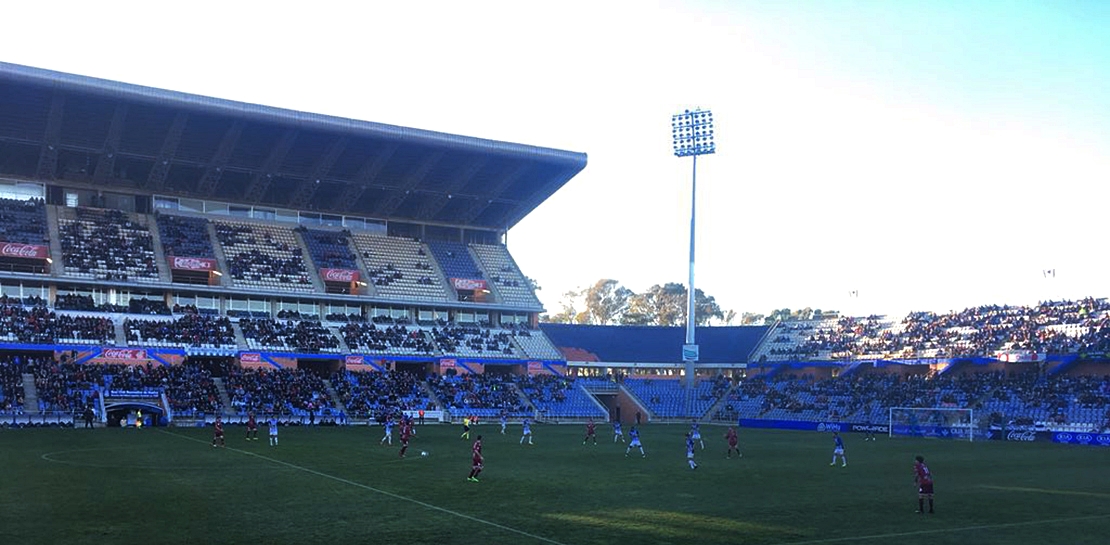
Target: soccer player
733,443
690,450
466,428
476,460
252,426
924,480
388,437
273,431
526,433
695,432
218,433
634,441
591,431
406,434
618,433
504,421
838,450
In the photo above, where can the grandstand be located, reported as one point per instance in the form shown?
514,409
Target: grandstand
177,253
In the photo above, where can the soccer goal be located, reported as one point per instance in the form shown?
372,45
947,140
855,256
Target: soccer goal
939,422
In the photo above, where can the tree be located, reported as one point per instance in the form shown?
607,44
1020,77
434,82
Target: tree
570,313
749,318
606,301
665,305
729,317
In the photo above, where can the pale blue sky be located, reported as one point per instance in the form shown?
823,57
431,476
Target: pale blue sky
931,155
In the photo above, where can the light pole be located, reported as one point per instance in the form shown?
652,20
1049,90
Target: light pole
693,136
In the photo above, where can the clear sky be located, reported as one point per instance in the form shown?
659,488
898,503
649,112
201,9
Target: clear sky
930,155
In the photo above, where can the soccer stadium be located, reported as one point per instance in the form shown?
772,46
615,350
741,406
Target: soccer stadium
170,263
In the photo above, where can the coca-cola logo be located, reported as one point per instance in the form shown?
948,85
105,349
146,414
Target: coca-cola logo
123,354
12,249
354,360
250,357
468,284
194,263
340,275
1021,436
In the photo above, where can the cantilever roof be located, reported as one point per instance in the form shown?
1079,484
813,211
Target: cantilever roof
79,130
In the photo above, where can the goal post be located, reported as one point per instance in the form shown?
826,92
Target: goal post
938,422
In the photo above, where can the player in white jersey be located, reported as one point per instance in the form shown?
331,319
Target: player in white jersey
618,433
273,431
388,437
695,433
504,421
634,441
690,451
527,432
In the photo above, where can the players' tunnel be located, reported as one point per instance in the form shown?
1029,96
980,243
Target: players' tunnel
133,415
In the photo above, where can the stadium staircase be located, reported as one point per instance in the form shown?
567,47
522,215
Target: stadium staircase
164,273
342,342
121,333
441,276
310,266
637,404
55,240
490,284
221,263
225,400
30,394
363,272
523,397
334,397
720,403
431,394
240,339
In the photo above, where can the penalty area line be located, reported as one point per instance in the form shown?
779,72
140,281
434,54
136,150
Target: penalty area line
949,530
376,490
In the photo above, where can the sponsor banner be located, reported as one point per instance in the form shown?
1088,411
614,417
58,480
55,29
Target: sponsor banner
468,284
250,357
192,263
1021,435
134,394
797,425
434,416
536,368
869,428
354,360
1082,438
955,432
690,352
26,251
1019,357
339,275
125,354
446,363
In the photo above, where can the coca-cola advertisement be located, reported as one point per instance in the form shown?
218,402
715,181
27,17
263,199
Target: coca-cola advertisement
339,275
123,354
192,263
468,284
250,357
25,251
354,360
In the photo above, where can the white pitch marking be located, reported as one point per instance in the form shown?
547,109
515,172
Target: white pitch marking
947,530
378,490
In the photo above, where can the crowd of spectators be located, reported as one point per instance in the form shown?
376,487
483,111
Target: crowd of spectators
379,395
1081,326
66,387
189,330
473,339
185,236
483,395
276,391
305,335
394,338
40,325
108,245
136,305
261,256
23,221
329,249
11,383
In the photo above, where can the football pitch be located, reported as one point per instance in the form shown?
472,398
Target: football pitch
338,485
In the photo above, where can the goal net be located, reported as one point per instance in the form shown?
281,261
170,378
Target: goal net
939,422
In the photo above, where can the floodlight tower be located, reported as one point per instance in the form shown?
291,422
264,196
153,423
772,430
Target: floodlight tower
693,136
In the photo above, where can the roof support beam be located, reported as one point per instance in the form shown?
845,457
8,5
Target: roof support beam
369,170
496,193
415,176
462,177
48,155
105,165
157,178
210,180
260,182
307,188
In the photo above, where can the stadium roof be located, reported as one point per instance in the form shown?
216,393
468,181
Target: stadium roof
652,344
88,132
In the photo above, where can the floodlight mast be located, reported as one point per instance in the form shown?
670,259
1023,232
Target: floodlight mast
693,136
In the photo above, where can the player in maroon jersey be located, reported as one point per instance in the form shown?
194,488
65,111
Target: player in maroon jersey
476,460
218,433
591,431
252,427
406,434
924,480
733,443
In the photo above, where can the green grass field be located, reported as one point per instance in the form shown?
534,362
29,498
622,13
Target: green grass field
338,485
